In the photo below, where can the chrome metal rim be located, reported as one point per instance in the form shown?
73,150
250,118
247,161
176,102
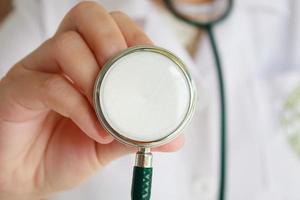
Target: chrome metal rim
118,136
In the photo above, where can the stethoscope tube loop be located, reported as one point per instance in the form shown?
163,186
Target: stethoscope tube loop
208,27
196,23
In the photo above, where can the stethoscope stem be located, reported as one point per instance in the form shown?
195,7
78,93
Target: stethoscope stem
143,158
142,175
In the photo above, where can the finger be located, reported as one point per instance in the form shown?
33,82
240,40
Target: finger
37,90
66,100
97,27
174,145
67,53
114,150
132,33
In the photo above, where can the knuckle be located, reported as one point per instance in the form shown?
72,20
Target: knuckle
83,7
84,11
5,87
65,41
118,13
139,37
65,38
52,83
76,106
109,35
77,103
57,89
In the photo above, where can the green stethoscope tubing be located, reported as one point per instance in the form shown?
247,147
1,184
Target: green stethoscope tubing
208,27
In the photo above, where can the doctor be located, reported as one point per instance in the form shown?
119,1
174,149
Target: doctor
51,142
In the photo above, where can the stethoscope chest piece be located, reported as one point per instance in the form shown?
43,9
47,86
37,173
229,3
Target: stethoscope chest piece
144,97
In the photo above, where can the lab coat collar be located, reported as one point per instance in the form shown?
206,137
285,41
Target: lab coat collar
157,29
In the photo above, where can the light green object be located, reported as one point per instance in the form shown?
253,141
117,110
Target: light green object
291,119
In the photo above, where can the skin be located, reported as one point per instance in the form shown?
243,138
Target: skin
195,1
185,1
50,138
5,8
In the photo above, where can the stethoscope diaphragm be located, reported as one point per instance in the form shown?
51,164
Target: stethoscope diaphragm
144,97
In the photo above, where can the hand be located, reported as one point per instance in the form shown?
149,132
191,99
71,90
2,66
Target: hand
50,138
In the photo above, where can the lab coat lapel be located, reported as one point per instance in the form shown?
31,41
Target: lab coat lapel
243,141
245,129
157,30
202,135
250,119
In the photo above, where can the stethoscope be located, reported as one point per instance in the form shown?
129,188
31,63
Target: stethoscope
208,24
145,96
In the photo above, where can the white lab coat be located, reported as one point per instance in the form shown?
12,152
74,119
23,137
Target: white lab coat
259,45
